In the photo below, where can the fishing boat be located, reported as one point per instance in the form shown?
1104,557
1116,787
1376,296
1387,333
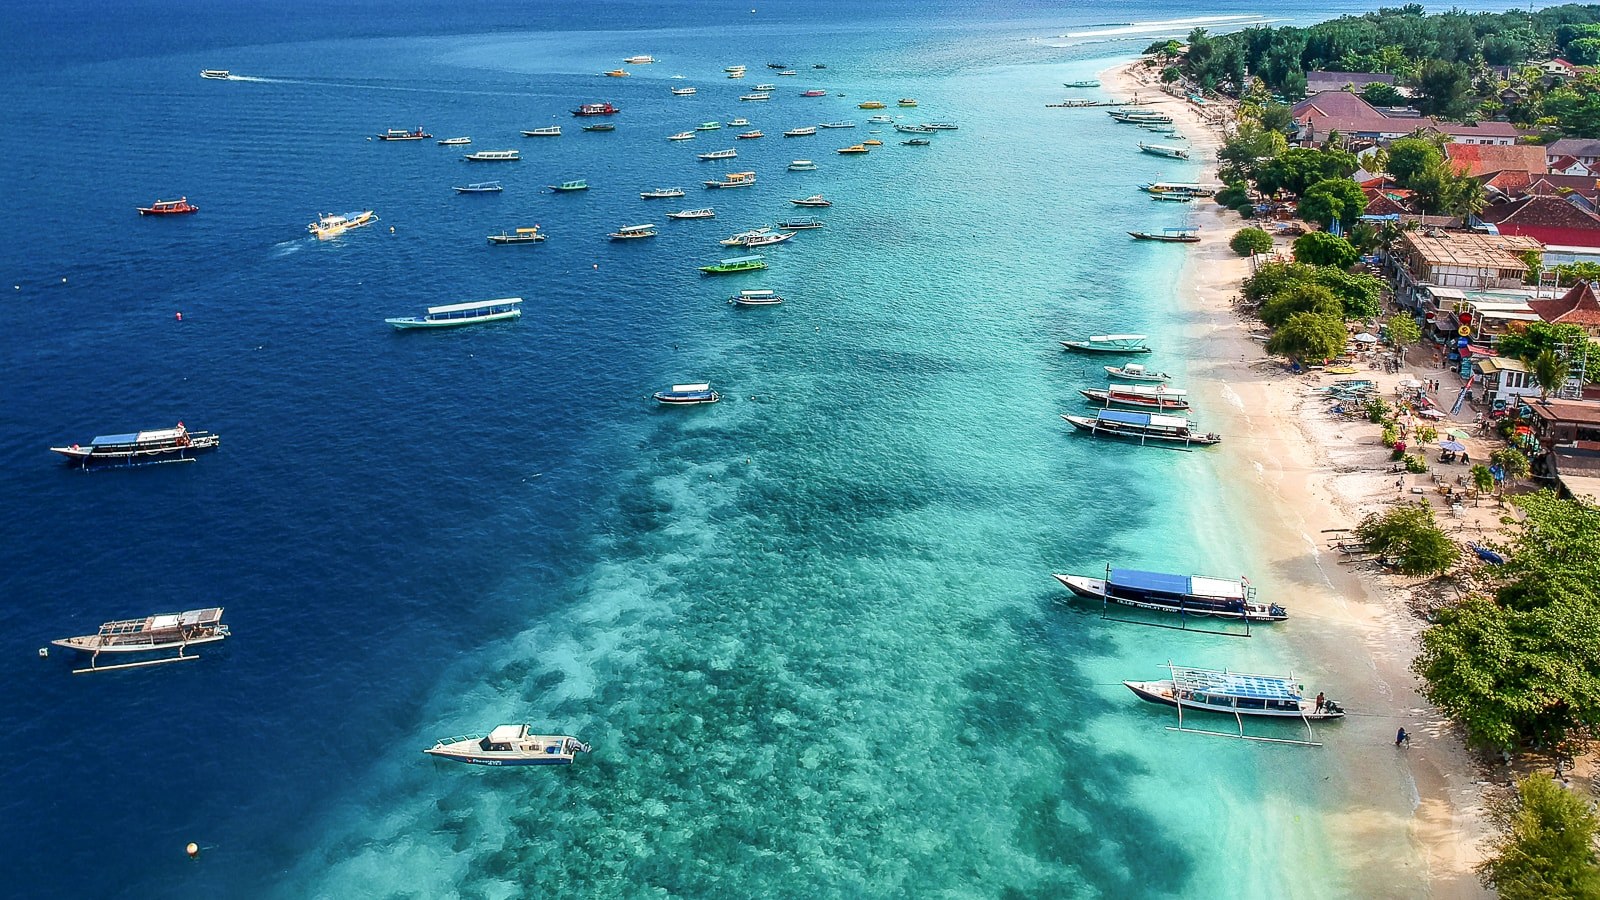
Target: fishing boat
1185,234
854,148
802,165
158,445
1086,83
708,126
734,69
681,136
455,142
801,132
719,154
683,91
880,119
600,126
1193,595
734,265
749,135
661,193
1181,188
1237,694
800,224
543,131
870,104
217,74
400,134
732,180
633,232
943,126
159,634
758,96
494,156
768,239
836,125
455,314
766,88
738,122
479,187
913,129
1143,427
917,142
813,93
639,60
687,395
738,240
1110,343
756,298
327,227
1073,103
597,109
1139,396
178,207
706,213
509,745
520,236
1136,372
576,184
815,200
906,101
616,73
1166,150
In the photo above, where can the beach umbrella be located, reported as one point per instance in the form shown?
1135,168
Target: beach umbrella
1459,434
1411,383
1452,446
1364,338
1430,413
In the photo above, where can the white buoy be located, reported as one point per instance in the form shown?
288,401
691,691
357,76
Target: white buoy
44,652
63,279
193,850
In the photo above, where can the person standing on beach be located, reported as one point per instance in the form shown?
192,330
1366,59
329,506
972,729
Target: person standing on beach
1401,737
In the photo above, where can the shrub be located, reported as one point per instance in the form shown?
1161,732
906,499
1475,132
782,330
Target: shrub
1299,298
1547,849
1427,434
1415,464
1512,462
1377,409
1250,240
1391,434
1410,536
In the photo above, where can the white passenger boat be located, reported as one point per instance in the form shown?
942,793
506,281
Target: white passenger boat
802,165
1188,595
544,131
462,314
687,395
455,142
509,745
661,193
159,634
1110,343
639,60
738,240
633,232
836,124
683,91
681,136
1158,397
756,298
1237,694
768,239
1166,150
738,122
1136,372
705,213
1144,427
218,74
718,154
157,445
881,119
494,156
805,131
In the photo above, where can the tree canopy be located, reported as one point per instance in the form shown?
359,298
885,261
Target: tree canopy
1547,849
1410,536
1309,336
1333,199
1250,240
1320,248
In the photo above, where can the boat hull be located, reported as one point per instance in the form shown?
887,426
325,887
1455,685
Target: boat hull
1086,347
1160,692
404,324
1095,589
1102,428
132,455
667,398
1109,399
482,759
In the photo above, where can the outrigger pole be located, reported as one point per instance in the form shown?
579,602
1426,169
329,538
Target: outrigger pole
1177,702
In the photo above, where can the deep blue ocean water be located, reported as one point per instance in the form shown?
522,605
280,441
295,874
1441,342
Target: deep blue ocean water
809,630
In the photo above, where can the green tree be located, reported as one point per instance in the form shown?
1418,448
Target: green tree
1584,51
1320,248
1250,240
1551,369
1250,147
1333,199
1301,297
1403,331
1379,94
1409,157
1442,88
1546,850
1309,337
1526,344
1576,106
1170,75
1411,537
1482,480
1276,117
1443,189
1512,462
1297,168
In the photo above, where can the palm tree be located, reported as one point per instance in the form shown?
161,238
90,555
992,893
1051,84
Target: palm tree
1551,369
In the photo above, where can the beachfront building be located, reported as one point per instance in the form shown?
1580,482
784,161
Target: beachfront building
1579,306
1505,380
1459,259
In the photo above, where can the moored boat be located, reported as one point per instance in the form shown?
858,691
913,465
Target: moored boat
1194,595
756,298
451,315
917,142
509,745
661,193
687,395
738,240
520,236
639,60
768,239
1143,427
943,126
732,180
597,109
455,142
178,207
494,156
880,119
543,131
327,227
836,124
738,122
1180,235
708,126
683,91
813,93
800,224
870,104
813,201
1085,83
1110,343
906,101
854,149
1135,372
1235,694
705,213
913,129
576,184
757,96
804,131
734,265
400,134
479,187
633,232
718,154
766,88
1180,188
158,445
681,136
802,165
872,142
600,126
158,634
749,135
1139,396
1166,150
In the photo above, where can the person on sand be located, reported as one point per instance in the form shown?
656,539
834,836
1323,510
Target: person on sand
1401,738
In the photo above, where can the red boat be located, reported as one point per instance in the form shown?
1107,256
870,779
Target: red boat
814,94
597,109
169,207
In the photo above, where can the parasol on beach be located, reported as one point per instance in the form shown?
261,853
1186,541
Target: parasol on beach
1364,338
1459,434
1430,413
1452,446
1410,383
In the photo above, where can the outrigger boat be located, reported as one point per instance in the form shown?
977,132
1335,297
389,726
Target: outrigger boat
734,265
1181,235
836,125
1085,83
159,445
806,131
178,207
687,395
1144,427
718,154
509,745
732,180
151,634
1166,150
454,142
1075,103
565,187
1136,372
681,136
1141,396
543,131
520,236
633,232
494,156
1172,198
917,142
661,193
400,134
943,126
854,149
802,165
880,119
601,126
738,122
708,126
800,224
1109,343
327,227
738,240
1136,116
479,187
596,109
692,214
767,239
756,298
1181,188
758,96
1237,694
813,201
913,129
462,314
1190,595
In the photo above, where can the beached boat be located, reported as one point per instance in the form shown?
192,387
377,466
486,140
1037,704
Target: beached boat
327,227
1180,188
800,224
1193,595
494,156
1085,83
801,132
455,142
661,193
520,236
1166,150
1135,372
1139,396
1181,235
738,240
708,126
600,126
802,165
813,93
756,298
749,135
455,314
683,91
1110,343
509,745
400,134
913,129
576,184
217,74
543,131
756,97
813,201
687,395
159,634
158,445
906,102
692,214
639,60
870,104
1235,694
597,109
836,125
1143,427
735,264
917,142
719,154
479,187
633,232
616,73
681,136
178,207
732,180
854,149
767,239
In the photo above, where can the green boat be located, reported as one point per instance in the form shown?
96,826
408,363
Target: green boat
735,264
580,184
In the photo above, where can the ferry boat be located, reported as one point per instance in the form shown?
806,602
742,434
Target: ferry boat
815,201
661,193
520,236
1194,595
906,101
576,184
454,314
494,156
683,91
596,109
178,207
708,126
602,126
158,445
800,224
328,227
913,129
1144,427
1166,150
479,187
682,136
509,745
1140,396
1179,188
734,265
1085,83
870,104
836,124
943,126
756,298
705,213
739,239
633,232
400,134
718,154
738,122
616,73
854,148
756,96
543,131
749,135
1180,235
880,119
163,634
218,74
802,165
813,93
732,180
805,131
455,142
687,395
768,239
1109,343
1136,372
917,142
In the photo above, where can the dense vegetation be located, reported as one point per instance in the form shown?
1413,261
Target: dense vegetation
1546,851
1411,538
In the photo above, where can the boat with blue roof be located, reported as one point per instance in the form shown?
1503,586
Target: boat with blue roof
158,445
1237,694
1144,427
1193,595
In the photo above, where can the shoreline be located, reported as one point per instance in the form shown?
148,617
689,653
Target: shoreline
1309,475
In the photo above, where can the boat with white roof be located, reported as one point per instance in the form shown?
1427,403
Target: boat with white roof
1144,427
1237,694
705,213
804,131
633,232
802,165
494,156
756,298
520,236
509,745
158,634
661,193
718,154
1139,396
330,226
455,314
1136,372
158,445
687,395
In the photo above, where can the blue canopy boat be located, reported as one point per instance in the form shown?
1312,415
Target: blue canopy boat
1197,595
1237,694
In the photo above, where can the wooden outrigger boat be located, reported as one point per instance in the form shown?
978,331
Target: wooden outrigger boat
1237,694
161,634
178,207
1143,427
1181,188
454,314
1136,372
661,193
1140,396
1109,343
756,298
161,445
1187,595
509,745
520,236
1181,235
1166,150
734,265
706,213
633,232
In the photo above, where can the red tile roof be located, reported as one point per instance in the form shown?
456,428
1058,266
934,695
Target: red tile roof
1345,112
1481,159
1578,306
1481,129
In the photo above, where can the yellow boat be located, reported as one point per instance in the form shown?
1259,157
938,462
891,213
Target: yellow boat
872,142
617,73
870,104
856,148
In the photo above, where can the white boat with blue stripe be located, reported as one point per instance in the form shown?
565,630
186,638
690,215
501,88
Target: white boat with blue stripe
510,745
1194,595
462,314
1238,694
